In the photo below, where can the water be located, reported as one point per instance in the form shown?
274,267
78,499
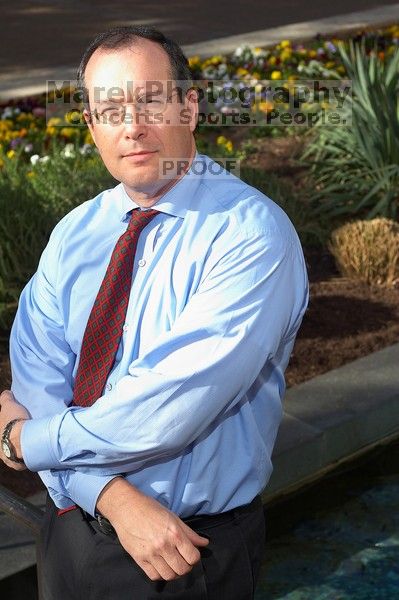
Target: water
340,539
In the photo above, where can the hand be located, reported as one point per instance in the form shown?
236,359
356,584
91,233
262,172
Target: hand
10,409
160,543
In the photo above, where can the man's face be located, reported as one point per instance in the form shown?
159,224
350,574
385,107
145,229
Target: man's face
133,150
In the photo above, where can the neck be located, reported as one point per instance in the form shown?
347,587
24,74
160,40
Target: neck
148,198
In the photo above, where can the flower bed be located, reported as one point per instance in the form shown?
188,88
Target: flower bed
57,164
24,132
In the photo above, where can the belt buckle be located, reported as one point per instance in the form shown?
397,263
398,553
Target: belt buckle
105,526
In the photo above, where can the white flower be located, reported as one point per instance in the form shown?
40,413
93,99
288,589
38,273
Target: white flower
34,158
7,112
68,151
86,149
259,53
44,159
28,147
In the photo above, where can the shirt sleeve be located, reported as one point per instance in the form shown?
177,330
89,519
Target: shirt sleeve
42,363
248,304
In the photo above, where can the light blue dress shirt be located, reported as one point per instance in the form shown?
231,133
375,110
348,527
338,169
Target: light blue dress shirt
191,408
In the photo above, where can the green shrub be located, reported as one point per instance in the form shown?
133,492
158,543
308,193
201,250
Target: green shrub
32,201
355,170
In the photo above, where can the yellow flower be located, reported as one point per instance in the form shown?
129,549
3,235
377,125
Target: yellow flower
276,75
341,69
194,61
74,116
11,154
5,125
229,146
241,71
88,139
312,53
272,60
30,174
221,140
206,63
330,64
286,54
53,122
265,106
69,132
285,44
256,75
292,77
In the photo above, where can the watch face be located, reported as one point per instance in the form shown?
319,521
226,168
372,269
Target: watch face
6,450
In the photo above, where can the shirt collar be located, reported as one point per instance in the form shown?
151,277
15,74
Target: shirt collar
175,202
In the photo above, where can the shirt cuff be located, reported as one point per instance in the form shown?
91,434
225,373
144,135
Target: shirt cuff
85,489
36,445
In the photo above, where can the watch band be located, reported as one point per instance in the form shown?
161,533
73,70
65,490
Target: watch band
6,445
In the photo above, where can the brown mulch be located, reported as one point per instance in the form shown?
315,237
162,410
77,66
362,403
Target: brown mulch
345,319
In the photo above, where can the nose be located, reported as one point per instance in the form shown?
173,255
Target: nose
135,123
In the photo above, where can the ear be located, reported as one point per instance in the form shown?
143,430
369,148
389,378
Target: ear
191,102
90,123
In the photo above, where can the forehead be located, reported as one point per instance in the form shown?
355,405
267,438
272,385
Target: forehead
127,67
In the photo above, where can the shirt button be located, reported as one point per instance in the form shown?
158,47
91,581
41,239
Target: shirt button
141,262
108,387
125,327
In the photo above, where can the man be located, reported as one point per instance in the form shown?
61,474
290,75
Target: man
150,406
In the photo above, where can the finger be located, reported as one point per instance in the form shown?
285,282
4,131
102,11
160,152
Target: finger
194,537
163,566
148,569
188,551
176,562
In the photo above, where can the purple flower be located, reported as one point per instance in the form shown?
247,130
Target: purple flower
38,111
330,46
15,143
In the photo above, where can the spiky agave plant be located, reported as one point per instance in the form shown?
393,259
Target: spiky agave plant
355,169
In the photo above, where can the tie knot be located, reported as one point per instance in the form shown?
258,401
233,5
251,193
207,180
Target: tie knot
141,218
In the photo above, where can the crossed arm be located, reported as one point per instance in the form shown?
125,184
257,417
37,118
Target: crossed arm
160,543
265,291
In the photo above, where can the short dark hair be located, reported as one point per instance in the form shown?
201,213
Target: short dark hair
123,37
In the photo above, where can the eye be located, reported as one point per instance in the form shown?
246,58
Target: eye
110,110
149,100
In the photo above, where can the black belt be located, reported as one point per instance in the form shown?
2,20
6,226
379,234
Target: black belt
196,522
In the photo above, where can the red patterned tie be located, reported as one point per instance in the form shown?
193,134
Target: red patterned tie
104,327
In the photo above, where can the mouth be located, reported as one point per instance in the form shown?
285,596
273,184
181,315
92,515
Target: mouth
140,156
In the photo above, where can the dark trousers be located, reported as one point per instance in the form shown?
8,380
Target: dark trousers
80,562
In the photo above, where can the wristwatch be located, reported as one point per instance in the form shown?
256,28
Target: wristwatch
6,445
